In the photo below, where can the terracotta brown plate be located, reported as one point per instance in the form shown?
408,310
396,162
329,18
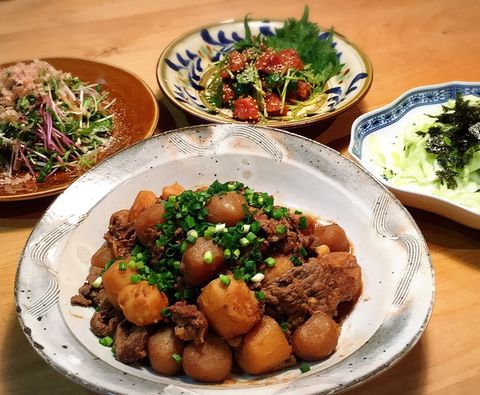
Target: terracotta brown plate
136,114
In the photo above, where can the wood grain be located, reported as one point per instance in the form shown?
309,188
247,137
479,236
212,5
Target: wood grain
410,43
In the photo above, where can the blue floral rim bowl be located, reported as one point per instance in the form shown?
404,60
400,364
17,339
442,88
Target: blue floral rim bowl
384,127
182,64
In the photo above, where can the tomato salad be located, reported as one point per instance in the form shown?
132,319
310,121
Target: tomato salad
279,77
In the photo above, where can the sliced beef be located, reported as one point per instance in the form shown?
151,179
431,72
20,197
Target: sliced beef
130,342
318,285
80,300
191,323
87,294
121,234
105,321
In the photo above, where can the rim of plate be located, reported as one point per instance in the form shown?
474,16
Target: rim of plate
349,384
390,105
160,71
149,133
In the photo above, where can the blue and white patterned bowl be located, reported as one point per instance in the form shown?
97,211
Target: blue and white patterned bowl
182,63
404,112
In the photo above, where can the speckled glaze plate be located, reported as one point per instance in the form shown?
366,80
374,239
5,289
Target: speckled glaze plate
183,62
398,279
136,117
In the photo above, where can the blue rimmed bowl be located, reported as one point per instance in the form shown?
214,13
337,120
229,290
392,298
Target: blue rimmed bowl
387,123
183,62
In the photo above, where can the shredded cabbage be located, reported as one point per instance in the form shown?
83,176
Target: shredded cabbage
408,165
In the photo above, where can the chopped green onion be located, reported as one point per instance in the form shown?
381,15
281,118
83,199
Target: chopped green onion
98,281
260,200
247,277
132,265
250,236
244,242
139,255
260,295
270,262
238,273
304,367
192,232
177,358
277,213
227,253
230,187
208,257
281,229
106,341
166,312
254,227
209,232
219,228
298,212
183,246
295,260
178,295
191,239
122,266
302,222
224,279
284,326
139,265
258,277
245,228
190,221
176,265
236,253
109,263
135,278
303,251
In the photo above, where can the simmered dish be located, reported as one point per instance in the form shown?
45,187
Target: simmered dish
198,281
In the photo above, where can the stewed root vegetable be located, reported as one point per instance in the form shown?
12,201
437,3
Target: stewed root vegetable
174,189
226,208
143,200
114,280
281,264
333,236
210,362
102,256
264,348
142,304
231,309
165,351
317,338
146,221
201,261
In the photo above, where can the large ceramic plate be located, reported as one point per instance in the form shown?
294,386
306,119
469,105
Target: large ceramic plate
136,116
388,122
398,279
183,62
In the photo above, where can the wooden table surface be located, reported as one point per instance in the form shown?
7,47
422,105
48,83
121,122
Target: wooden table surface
410,43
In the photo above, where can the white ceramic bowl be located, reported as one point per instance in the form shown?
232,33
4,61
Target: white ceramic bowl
387,122
182,63
398,279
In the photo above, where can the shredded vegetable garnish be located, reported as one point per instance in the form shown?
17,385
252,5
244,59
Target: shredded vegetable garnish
278,77
50,121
